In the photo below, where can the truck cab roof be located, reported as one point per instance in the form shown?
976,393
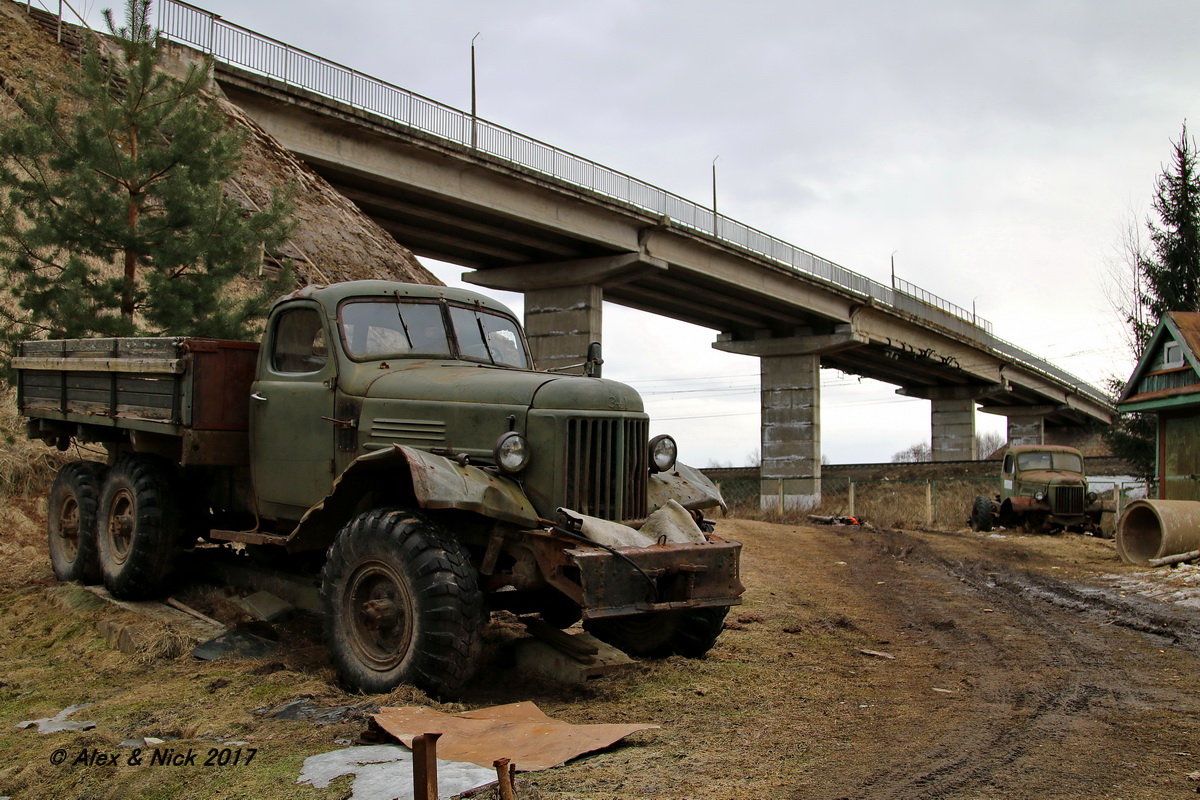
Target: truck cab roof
331,296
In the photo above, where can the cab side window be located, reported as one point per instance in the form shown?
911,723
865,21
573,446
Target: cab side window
1008,464
299,343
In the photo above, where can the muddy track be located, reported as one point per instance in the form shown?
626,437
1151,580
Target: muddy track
1034,676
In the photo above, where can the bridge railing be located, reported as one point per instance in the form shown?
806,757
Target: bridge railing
246,49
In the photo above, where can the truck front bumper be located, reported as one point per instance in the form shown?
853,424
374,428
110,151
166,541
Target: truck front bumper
637,580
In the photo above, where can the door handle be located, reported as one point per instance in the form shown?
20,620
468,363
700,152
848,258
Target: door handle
259,397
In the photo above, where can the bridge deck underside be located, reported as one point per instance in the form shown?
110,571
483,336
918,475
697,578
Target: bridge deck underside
433,218
437,227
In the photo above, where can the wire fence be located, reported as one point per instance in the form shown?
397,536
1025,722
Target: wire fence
936,504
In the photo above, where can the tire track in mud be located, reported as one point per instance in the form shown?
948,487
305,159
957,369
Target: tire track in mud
1023,694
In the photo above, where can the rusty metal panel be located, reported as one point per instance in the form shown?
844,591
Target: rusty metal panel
658,578
441,483
215,448
1180,458
222,372
520,732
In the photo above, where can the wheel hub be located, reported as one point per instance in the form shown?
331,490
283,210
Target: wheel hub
379,609
380,614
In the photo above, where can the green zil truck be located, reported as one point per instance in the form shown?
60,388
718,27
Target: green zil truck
1043,488
395,443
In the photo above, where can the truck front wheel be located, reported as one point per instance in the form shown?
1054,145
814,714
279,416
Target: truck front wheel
983,514
402,605
71,521
690,632
138,526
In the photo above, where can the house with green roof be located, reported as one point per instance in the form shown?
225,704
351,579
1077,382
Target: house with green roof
1166,381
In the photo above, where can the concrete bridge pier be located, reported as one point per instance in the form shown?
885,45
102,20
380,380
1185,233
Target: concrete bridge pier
564,301
1026,429
952,418
952,423
790,391
1026,424
561,323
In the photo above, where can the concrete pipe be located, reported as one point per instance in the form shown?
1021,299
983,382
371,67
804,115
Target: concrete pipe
1157,528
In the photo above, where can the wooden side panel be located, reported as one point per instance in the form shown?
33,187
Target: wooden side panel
221,374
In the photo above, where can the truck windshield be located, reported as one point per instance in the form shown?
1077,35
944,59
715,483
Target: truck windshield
487,337
388,329
385,328
1065,462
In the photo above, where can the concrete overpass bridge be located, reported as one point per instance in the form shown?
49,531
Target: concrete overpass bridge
570,233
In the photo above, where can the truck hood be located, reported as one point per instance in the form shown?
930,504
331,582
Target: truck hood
1052,478
468,383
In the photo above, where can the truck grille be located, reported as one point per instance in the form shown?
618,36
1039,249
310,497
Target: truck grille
606,469
1068,499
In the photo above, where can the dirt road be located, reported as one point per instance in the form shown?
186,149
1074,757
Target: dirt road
863,664
881,664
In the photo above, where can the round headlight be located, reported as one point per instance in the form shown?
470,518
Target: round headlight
662,453
512,452
1039,496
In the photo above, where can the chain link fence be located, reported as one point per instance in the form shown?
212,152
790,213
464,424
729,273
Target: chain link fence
938,504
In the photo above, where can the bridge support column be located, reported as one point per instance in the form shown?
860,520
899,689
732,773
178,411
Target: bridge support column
564,301
1026,424
1026,429
953,429
791,431
561,323
790,389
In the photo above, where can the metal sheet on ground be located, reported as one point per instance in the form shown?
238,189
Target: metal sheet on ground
517,731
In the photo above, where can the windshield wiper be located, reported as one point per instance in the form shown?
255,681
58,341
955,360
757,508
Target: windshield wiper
403,325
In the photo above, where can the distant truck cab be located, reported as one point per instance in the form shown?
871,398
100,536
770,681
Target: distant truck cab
1043,488
394,443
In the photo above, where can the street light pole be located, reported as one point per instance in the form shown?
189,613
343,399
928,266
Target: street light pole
714,188
474,134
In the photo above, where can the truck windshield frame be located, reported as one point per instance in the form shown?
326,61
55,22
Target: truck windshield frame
377,328
1062,462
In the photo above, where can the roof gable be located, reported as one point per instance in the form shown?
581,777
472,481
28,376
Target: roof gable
1168,373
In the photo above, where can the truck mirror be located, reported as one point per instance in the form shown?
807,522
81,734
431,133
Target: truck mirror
594,362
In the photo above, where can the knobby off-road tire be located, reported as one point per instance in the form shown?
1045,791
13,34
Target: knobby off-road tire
71,521
139,526
402,605
983,514
690,633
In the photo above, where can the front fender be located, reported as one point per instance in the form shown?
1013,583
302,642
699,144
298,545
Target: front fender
402,475
1027,505
687,486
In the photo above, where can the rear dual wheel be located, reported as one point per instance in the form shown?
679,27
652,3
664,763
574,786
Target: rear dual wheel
138,537
71,521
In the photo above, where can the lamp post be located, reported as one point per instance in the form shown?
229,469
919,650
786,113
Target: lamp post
714,188
474,134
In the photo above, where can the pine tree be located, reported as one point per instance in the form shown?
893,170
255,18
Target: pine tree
114,216
1171,273
1169,280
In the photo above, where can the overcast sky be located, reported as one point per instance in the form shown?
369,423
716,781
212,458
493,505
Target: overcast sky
996,148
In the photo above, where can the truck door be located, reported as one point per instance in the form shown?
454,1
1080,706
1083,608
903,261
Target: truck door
291,412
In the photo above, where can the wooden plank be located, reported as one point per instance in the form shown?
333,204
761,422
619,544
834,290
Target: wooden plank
164,366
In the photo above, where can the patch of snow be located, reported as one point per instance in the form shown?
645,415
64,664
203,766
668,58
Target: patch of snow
383,772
